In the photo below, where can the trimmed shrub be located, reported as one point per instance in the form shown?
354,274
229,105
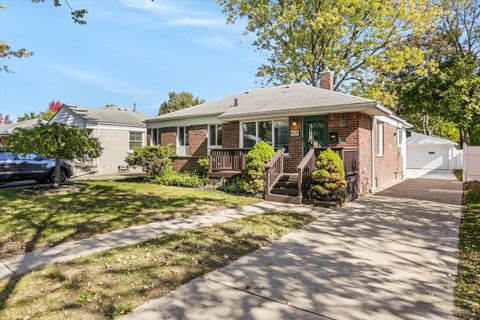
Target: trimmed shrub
171,177
251,180
153,159
328,181
203,166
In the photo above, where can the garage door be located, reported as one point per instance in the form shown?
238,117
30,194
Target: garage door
427,156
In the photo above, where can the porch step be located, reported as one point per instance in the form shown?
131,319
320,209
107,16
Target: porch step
286,186
289,177
285,191
282,198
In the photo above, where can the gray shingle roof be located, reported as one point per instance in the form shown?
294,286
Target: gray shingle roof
9,128
111,115
419,138
268,100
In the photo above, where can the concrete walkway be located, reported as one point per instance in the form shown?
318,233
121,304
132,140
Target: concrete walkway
44,257
381,257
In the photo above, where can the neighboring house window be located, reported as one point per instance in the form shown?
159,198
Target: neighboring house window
215,132
400,137
275,133
379,138
182,141
136,140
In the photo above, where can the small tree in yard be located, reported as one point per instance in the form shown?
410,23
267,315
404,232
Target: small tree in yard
329,180
153,159
251,180
55,141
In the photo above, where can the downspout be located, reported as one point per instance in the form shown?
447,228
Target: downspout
372,147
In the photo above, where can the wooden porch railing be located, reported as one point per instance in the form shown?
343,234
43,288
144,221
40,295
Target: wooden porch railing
274,170
305,168
227,159
348,155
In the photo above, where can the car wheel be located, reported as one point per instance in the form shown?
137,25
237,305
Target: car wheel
63,175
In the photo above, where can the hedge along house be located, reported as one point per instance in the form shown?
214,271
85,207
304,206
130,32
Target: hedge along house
118,129
299,121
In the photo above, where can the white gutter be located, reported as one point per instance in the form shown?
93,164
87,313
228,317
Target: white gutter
372,147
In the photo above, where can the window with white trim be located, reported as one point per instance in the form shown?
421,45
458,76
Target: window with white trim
215,132
400,137
182,141
182,134
135,140
380,138
275,133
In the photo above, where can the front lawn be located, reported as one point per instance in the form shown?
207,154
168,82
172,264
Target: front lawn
467,292
111,283
30,220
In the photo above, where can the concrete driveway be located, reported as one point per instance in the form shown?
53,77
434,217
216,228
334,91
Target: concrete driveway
387,256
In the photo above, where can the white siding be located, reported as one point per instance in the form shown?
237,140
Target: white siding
69,118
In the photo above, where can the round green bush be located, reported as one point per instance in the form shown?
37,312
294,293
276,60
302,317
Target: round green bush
251,180
328,181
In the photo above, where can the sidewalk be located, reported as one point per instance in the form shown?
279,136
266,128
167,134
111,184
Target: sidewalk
64,252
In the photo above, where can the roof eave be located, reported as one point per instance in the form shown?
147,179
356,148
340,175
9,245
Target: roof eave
357,107
157,119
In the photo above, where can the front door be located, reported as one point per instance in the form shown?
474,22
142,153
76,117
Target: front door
315,132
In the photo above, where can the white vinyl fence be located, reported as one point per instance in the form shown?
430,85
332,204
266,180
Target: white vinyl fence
471,163
457,159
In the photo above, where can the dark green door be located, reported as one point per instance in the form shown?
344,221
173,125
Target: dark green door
315,132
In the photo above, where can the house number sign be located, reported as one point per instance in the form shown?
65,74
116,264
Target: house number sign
294,133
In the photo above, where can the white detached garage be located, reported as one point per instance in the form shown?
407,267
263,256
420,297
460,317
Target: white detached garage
428,153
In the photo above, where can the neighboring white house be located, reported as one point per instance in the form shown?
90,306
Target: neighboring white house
428,153
119,130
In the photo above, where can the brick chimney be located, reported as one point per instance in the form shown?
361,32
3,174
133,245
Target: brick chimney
326,80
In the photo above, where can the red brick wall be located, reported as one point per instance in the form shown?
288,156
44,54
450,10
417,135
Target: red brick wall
365,153
389,167
231,135
197,138
168,136
295,146
346,125
186,163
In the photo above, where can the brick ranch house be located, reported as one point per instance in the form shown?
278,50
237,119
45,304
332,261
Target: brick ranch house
298,120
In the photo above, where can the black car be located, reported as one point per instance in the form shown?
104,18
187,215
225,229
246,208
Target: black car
30,166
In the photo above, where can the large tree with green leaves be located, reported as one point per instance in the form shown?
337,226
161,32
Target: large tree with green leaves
177,101
359,40
451,92
55,141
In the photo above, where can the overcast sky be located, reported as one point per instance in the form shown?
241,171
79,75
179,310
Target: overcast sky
129,51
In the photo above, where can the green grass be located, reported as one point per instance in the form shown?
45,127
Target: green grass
111,283
467,292
30,220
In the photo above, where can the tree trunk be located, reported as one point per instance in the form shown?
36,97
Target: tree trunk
56,179
460,131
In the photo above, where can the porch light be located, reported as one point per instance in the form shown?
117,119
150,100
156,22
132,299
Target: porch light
295,121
